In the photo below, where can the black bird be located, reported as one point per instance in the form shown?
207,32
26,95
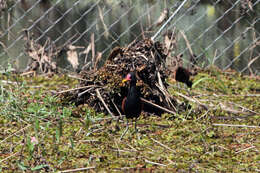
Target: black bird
183,75
131,105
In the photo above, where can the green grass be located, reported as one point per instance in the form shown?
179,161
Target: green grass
39,133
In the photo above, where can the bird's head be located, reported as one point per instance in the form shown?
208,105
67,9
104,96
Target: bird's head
130,77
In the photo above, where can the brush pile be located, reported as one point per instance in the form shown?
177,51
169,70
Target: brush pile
41,60
104,91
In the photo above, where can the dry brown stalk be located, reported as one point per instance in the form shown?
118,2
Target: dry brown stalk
77,170
102,100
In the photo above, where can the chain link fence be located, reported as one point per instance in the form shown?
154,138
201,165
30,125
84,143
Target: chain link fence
214,32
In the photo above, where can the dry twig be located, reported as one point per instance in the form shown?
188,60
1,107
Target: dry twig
163,145
74,89
77,170
102,100
245,149
154,163
235,125
157,106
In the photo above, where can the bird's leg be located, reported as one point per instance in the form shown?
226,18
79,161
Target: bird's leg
125,130
136,130
135,125
135,122
189,92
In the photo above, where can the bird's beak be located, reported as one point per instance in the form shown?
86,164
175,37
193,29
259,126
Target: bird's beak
127,78
124,80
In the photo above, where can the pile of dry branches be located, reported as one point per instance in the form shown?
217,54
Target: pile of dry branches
104,91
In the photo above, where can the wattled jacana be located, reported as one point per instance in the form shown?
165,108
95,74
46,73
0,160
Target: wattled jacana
131,105
183,75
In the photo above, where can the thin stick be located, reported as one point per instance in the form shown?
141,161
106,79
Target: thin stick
101,99
9,82
127,127
202,115
193,100
101,15
207,107
8,23
170,18
187,43
125,168
133,149
103,119
93,48
238,95
118,150
85,141
28,73
163,145
251,62
77,170
124,151
75,77
215,55
116,108
9,156
165,92
226,108
141,55
245,108
235,125
157,106
154,163
245,149
74,89
15,133
86,51
193,137
80,94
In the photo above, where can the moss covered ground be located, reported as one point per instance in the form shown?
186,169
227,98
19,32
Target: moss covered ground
218,133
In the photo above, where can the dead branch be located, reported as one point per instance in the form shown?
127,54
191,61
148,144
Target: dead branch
77,170
157,106
74,89
235,125
101,99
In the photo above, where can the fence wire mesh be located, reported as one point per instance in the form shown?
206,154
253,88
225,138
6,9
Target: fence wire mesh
214,32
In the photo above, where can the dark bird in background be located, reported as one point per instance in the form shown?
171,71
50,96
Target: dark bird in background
183,75
179,73
131,105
